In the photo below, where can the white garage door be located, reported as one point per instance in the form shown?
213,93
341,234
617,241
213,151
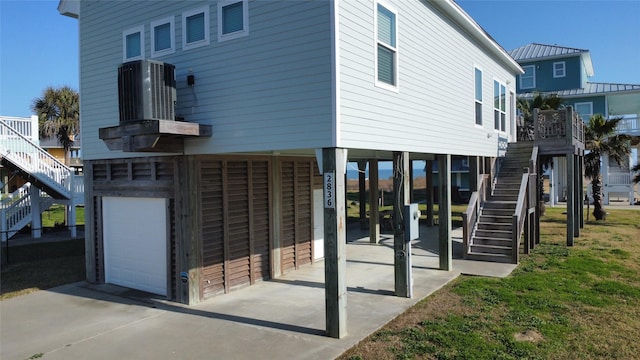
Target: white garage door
135,243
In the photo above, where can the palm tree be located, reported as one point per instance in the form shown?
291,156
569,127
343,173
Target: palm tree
58,111
601,140
636,179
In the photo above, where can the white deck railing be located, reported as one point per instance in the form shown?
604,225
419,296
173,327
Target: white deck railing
629,125
31,158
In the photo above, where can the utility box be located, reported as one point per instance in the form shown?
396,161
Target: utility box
411,222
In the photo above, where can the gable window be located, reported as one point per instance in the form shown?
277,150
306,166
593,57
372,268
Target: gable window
233,19
478,96
499,106
133,43
528,79
387,51
162,40
585,109
195,28
559,69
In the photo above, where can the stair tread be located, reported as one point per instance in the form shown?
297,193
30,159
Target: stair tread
491,246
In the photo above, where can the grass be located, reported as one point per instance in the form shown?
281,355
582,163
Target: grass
580,303
42,266
54,216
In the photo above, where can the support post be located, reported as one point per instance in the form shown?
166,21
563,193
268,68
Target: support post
444,212
570,198
362,193
335,256
577,197
36,220
374,210
474,174
581,187
429,190
401,247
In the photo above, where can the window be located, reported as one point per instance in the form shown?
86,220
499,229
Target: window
233,19
559,69
478,96
162,40
133,43
195,28
528,79
387,51
499,106
585,109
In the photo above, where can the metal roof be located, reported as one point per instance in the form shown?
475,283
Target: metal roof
538,51
592,89
534,51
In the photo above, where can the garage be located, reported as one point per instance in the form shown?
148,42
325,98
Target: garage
135,242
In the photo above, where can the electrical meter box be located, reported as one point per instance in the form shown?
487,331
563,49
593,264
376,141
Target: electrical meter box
411,222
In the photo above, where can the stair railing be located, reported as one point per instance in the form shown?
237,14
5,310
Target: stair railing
24,153
471,215
523,218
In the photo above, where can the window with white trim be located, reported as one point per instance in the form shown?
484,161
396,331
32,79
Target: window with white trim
133,43
195,28
528,79
386,47
559,69
478,95
233,19
585,109
162,39
499,106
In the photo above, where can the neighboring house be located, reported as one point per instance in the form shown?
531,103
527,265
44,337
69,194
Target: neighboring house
33,179
565,71
233,193
73,159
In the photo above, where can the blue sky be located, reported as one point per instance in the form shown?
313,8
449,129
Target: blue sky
39,47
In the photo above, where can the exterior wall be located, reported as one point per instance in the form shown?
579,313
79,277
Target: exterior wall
574,73
599,104
233,220
434,104
270,90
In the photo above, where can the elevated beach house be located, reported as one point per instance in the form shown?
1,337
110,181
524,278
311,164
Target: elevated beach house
215,133
565,71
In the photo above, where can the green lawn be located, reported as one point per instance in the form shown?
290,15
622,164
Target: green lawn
54,216
560,303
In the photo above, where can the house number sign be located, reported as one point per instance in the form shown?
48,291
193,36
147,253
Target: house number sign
329,190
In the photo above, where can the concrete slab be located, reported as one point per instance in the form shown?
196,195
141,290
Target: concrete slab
281,318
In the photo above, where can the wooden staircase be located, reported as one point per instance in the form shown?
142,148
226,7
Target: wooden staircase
492,237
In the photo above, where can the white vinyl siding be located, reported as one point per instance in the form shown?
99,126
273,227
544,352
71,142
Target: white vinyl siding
386,47
233,19
559,70
434,112
528,79
162,37
478,95
133,43
195,28
271,91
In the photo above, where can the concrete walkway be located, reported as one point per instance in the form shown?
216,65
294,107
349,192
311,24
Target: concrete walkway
279,319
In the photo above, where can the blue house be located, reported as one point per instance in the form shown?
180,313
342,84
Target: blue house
565,71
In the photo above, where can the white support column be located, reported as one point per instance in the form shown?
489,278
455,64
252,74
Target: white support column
36,220
335,238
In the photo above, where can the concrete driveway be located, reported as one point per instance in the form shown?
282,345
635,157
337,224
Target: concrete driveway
279,319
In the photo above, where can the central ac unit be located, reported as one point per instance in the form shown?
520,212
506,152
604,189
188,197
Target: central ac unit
146,91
